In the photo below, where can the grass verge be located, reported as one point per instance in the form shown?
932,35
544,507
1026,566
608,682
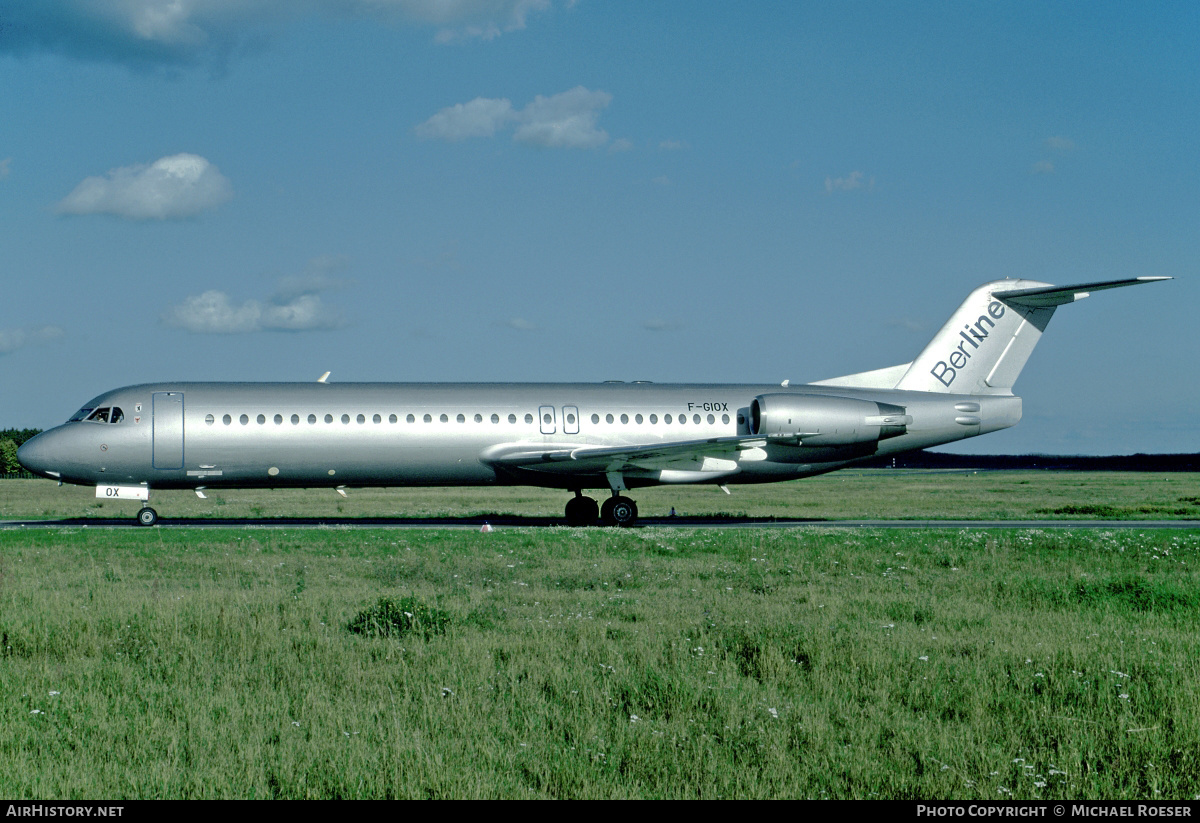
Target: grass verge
599,663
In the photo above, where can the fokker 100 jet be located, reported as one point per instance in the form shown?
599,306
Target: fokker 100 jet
572,436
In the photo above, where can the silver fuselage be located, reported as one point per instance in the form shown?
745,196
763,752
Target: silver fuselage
246,435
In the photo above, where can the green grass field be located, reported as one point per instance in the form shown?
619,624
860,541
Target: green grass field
990,664
840,495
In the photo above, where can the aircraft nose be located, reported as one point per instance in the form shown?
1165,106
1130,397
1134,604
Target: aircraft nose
36,455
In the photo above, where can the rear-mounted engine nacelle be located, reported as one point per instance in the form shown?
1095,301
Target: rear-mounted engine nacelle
820,420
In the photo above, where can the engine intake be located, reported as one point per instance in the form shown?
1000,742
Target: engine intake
822,420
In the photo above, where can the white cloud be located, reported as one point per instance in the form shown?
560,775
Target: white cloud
473,19
13,339
520,324
907,324
479,118
318,276
175,187
1060,144
850,182
296,305
1043,167
565,120
194,32
214,313
5,167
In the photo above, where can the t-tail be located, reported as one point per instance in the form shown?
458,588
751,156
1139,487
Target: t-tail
985,344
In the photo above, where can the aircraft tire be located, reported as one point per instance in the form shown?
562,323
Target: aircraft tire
582,511
619,511
147,517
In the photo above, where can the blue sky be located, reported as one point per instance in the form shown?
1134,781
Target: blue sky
521,190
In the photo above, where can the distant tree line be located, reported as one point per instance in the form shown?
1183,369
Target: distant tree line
1106,463
10,440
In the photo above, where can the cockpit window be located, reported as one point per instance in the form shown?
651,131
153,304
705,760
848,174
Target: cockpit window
103,415
80,415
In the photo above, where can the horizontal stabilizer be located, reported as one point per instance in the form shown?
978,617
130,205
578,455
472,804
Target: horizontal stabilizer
1058,295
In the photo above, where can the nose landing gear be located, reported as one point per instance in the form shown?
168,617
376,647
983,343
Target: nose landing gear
147,516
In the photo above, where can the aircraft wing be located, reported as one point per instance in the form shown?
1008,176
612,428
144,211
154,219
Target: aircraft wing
714,454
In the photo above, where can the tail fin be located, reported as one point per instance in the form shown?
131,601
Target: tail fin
985,344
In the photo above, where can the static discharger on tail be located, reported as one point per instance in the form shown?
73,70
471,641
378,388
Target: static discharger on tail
572,436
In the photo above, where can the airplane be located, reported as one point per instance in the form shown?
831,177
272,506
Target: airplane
572,436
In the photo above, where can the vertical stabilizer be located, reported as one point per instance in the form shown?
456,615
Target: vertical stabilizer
985,344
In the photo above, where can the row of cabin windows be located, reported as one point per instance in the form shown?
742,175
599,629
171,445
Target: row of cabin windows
462,418
362,418
638,419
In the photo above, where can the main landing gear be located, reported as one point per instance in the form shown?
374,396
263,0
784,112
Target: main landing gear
616,511
582,511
